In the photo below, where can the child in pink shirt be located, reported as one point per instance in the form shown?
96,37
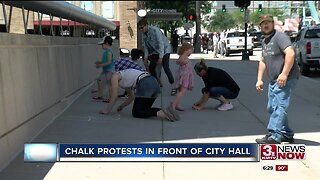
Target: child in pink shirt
184,75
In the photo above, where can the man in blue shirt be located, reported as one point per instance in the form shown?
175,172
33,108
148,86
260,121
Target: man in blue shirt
157,50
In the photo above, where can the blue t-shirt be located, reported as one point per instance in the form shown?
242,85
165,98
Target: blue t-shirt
111,66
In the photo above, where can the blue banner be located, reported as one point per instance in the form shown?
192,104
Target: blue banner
160,150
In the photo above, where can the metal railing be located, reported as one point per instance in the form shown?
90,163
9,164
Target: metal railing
87,22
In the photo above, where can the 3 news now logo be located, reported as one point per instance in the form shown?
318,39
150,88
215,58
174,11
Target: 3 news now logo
282,152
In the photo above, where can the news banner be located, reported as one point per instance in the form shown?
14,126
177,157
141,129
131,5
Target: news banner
162,152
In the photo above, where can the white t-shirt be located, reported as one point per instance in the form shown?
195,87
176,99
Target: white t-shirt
129,78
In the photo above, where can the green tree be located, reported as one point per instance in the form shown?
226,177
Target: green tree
238,18
255,17
277,13
220,21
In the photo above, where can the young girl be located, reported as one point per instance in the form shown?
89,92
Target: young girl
184,75
108,67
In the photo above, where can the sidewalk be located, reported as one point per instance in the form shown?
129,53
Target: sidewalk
81,123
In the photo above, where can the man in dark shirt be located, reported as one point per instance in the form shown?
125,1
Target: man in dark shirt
218,85
175,41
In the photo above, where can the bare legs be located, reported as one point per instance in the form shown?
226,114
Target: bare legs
176,104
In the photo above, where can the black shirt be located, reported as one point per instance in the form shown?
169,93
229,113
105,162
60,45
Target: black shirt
219,78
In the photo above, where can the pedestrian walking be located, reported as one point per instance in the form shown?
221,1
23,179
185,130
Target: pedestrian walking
282,71
215,41
175,41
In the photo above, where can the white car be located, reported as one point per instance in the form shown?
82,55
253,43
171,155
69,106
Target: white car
235,42
307,49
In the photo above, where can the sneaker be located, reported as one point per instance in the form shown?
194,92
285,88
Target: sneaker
268,140
283,139
287,139
267,136
124,96
168,115
173,112
225,107
221,103
173,92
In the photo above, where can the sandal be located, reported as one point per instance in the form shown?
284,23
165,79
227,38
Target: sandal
178,108
106,101
97,98
173,92
94,91
102,112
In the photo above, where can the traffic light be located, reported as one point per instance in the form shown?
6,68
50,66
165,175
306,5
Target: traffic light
223,8
260,8
241,9
191,17
242,3
209,10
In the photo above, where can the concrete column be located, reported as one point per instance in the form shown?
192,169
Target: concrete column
16,21
128,23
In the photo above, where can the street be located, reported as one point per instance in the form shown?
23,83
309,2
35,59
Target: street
314,75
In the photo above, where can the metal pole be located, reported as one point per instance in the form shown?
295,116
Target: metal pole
245,55
24,21
197,48
40,23
64,10
5,16
51,26
186,17
61,28
10,15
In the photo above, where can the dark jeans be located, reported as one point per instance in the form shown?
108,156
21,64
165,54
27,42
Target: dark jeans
142,108
221,91
147,91
156,72
175,48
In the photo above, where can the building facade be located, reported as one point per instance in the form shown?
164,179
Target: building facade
122,13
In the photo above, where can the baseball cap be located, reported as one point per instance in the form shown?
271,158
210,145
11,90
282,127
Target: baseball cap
266,17
106,39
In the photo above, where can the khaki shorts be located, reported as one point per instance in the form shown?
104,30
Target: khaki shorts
105,76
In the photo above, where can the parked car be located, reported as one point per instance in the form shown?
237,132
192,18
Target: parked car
235,43
257,37
307,49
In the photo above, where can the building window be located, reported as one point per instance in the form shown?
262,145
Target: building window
87,5
107,9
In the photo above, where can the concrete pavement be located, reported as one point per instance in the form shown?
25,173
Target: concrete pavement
81,123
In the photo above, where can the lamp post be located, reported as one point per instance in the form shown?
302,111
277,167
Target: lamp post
245,54
142,13
197,47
